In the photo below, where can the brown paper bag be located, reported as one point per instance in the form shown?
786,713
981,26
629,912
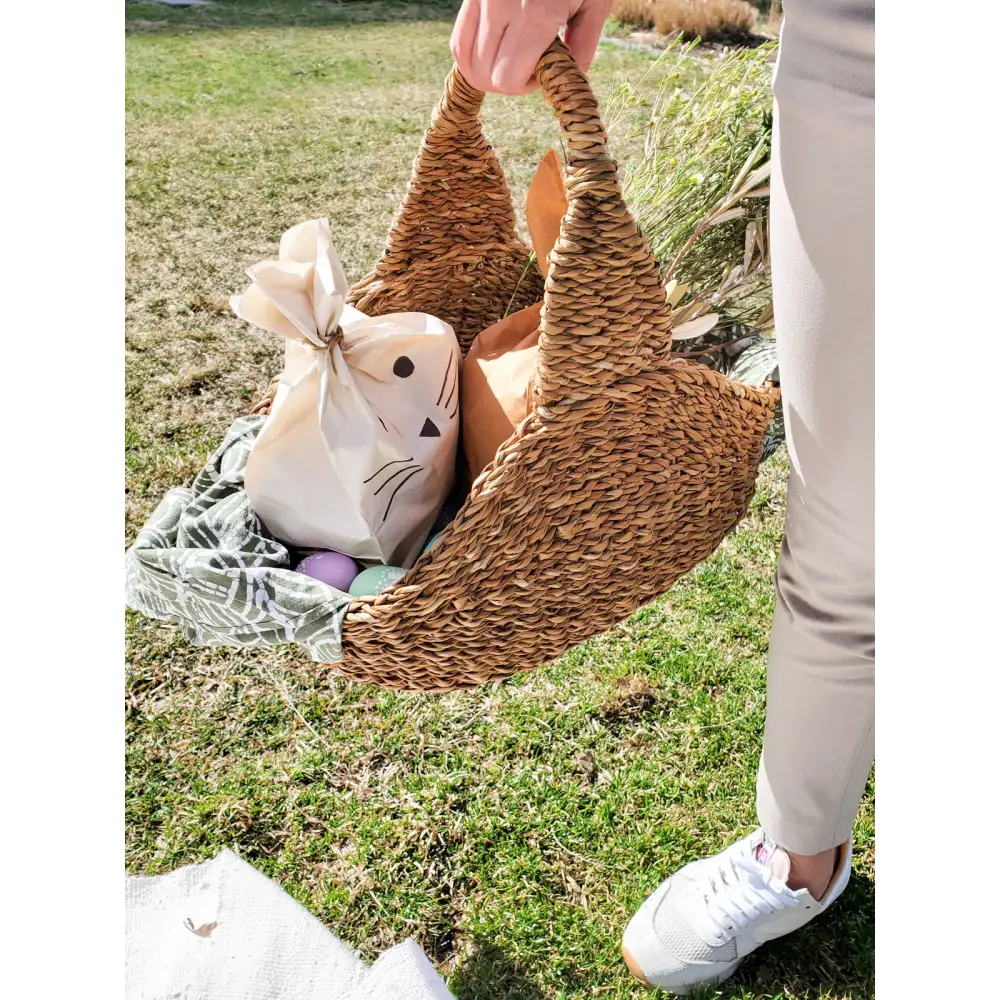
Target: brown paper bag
498,375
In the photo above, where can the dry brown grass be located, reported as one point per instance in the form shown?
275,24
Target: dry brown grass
689,18
635,13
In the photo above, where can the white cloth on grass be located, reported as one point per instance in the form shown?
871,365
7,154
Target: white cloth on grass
223,931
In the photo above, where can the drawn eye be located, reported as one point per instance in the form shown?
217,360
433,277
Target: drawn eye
403,367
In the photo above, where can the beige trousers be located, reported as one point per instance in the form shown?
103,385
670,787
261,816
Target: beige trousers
819,740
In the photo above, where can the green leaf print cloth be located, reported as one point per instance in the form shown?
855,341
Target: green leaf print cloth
206,562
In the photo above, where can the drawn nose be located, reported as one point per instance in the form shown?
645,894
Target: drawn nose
429,430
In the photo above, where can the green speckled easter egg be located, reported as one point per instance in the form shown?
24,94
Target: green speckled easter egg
374,580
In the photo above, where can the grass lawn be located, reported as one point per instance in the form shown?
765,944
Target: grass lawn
511,830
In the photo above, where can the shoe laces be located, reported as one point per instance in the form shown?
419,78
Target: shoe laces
738,889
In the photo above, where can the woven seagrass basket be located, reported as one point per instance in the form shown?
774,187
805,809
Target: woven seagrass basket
632,467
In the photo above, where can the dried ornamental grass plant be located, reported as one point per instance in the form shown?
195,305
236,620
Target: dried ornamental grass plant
704,19
634,13
699,189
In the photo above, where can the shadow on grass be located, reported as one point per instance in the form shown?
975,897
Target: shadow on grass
488,974
149,17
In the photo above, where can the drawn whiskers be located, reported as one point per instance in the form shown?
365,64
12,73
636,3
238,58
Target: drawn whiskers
452,394
400,477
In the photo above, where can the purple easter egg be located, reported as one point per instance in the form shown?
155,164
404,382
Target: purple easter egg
333,568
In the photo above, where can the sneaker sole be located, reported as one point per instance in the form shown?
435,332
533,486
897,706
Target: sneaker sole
633,967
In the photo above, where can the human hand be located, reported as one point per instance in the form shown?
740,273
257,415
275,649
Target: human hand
497,43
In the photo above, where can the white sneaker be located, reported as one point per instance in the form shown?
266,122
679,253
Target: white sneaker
706,918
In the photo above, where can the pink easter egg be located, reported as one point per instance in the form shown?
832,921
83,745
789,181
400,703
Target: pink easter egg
333,568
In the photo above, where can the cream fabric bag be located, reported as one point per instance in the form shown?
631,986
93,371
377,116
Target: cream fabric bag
358,453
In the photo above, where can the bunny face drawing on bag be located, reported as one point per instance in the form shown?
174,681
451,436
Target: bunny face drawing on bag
412,388
358,452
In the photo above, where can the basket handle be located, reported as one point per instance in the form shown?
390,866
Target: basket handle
453,244
605,316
